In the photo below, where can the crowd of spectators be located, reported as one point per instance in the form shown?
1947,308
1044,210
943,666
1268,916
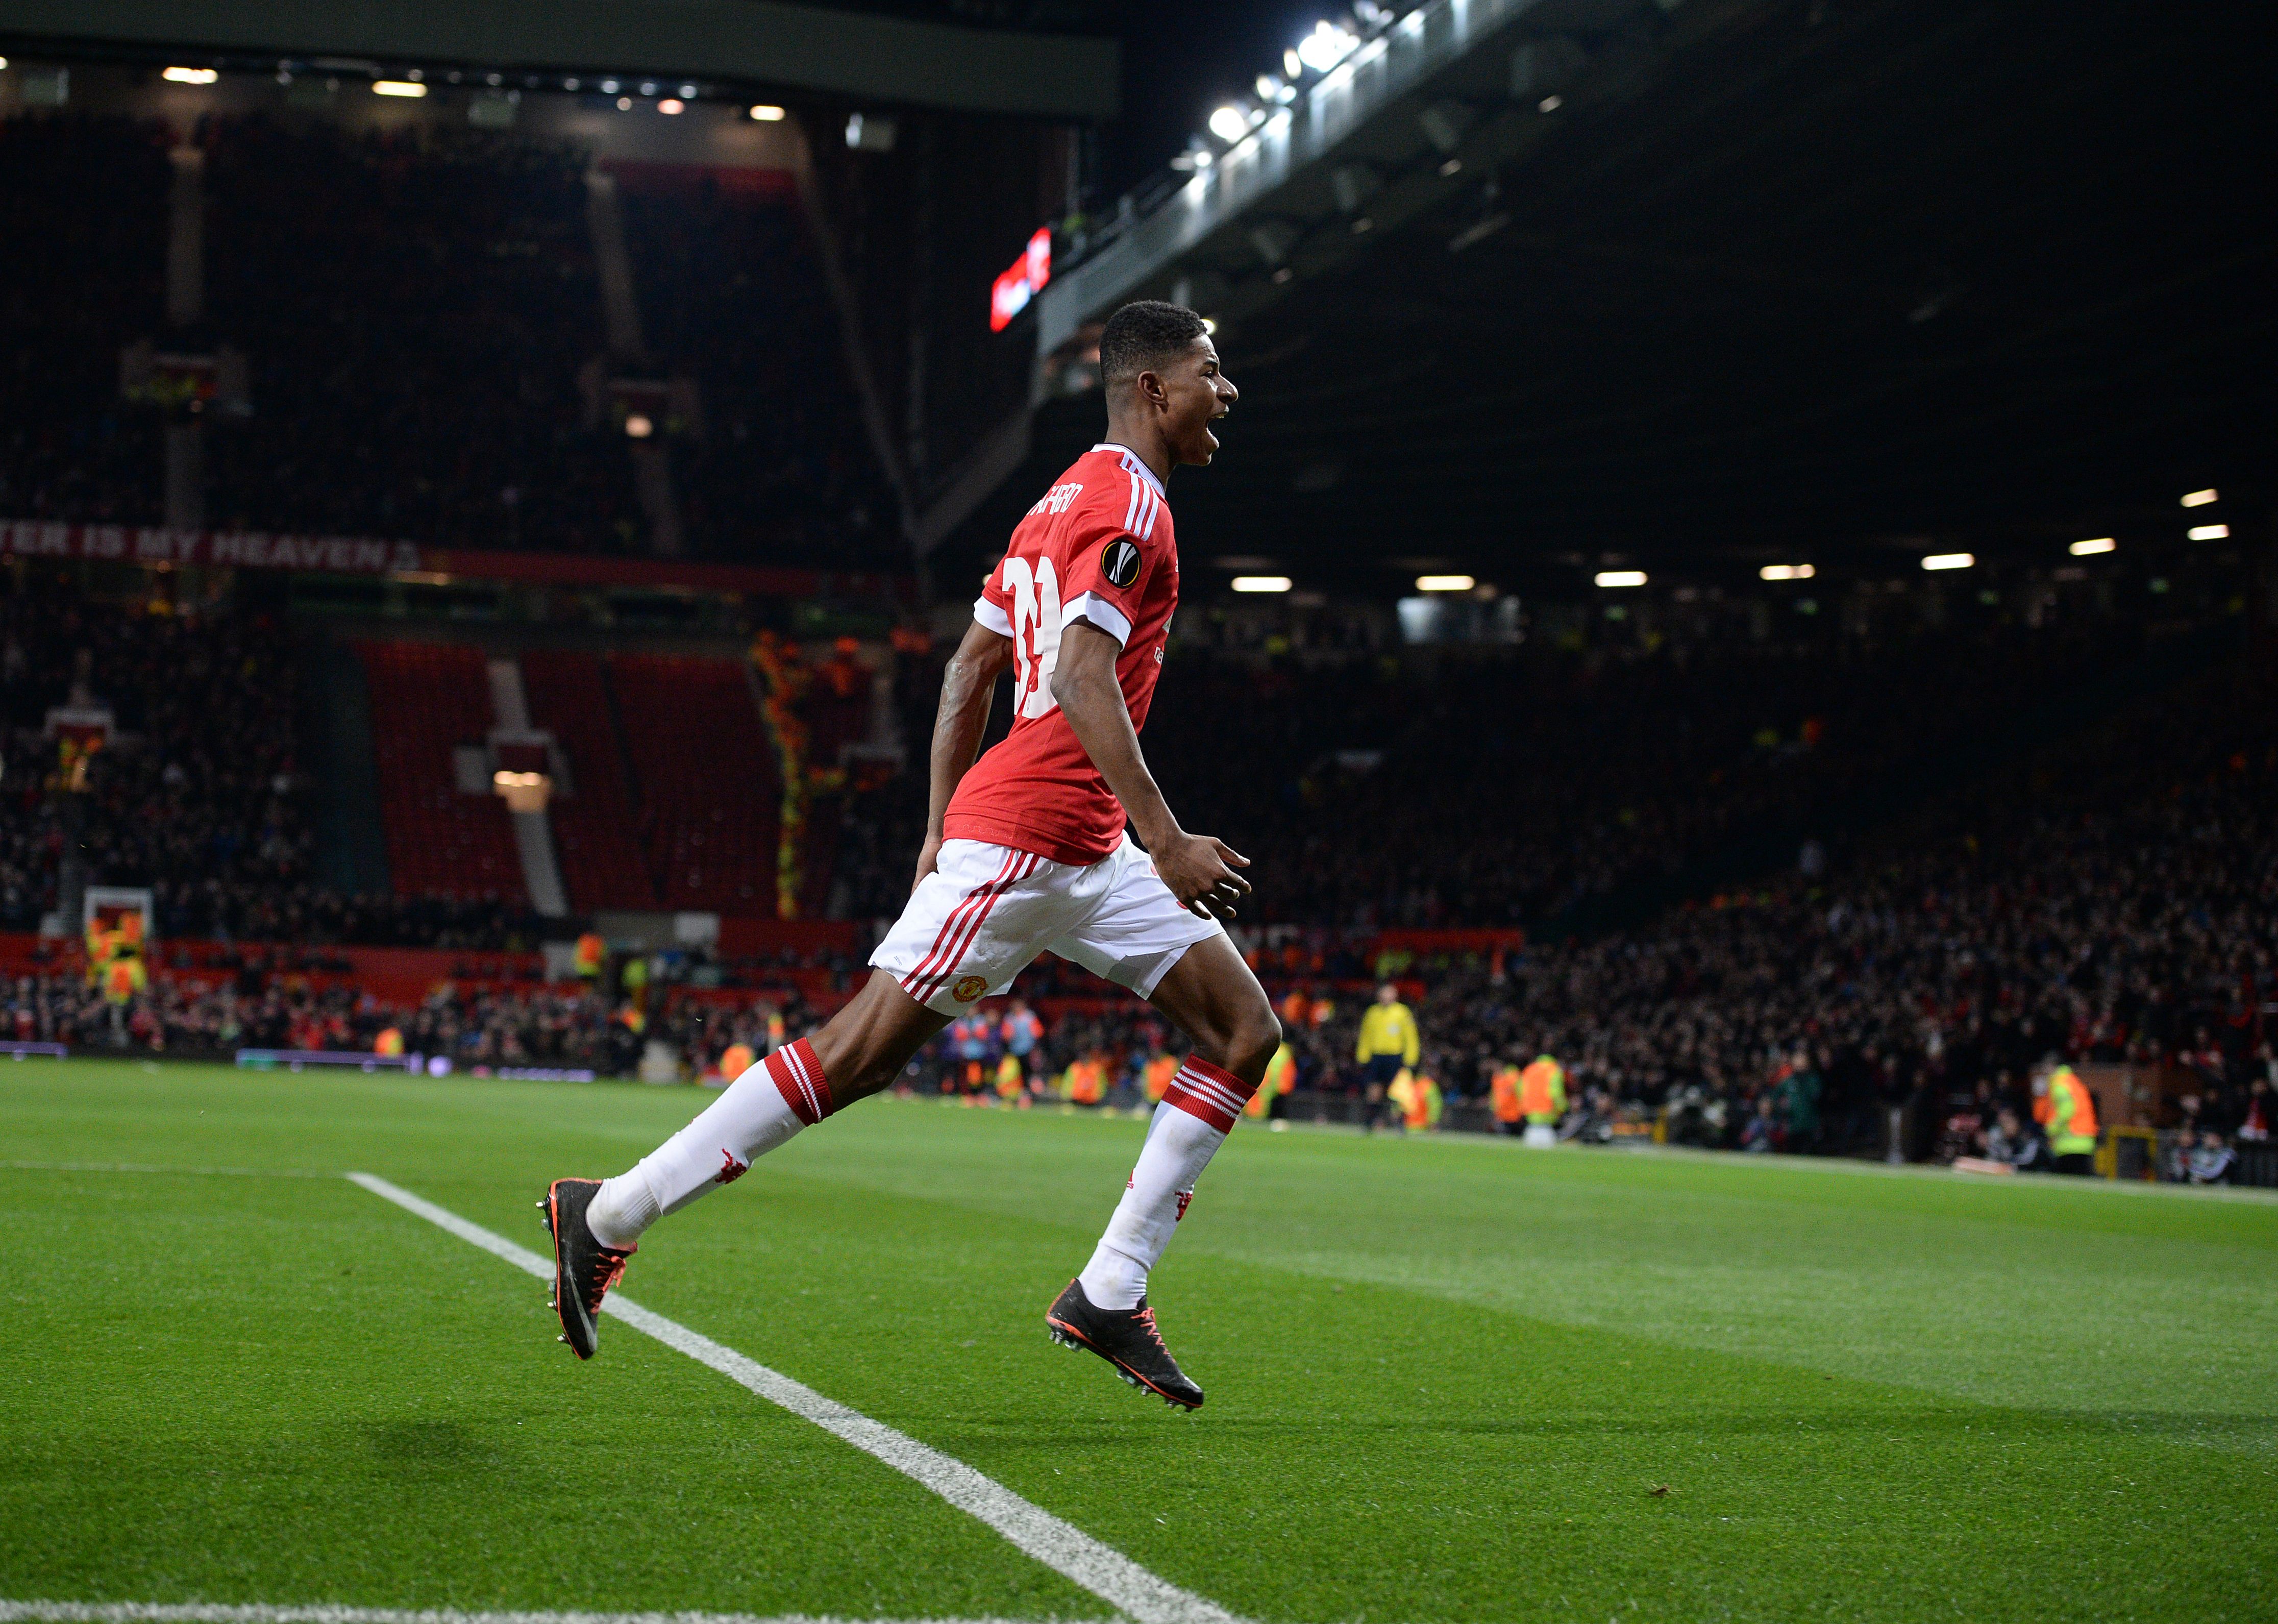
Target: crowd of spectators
81,282
2109,901
733,298
420,313
415,306
201,792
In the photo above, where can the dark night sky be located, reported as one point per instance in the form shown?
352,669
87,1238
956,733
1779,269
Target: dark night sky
1182,58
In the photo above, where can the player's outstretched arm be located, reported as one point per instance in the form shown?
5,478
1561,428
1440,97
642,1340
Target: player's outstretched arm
1198,868
969,685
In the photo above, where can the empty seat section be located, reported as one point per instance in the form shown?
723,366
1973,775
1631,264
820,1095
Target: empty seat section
426,699
709,784
596,837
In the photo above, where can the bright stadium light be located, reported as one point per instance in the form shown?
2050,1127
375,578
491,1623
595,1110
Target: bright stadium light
671,104
408,87
2208,532
1949,561
639,426
1786,572
1444,583
2199,499
1229,123
1325,47
187,75
1620,578
767,112
2093,545
1292,63
1261,583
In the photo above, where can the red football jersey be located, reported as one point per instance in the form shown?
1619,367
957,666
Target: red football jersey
1098,547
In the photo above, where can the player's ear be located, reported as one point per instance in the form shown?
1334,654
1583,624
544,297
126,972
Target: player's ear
1151,390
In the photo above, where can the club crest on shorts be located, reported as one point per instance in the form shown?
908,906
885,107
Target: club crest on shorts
968,988
1118,561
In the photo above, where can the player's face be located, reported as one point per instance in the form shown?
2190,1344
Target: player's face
1197,393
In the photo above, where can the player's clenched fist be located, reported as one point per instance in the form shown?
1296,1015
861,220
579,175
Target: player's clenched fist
1200,871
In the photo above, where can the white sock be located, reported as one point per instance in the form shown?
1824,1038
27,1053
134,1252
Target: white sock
1198,1112
753,1115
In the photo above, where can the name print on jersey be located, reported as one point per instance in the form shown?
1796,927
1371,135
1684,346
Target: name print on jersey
1056,500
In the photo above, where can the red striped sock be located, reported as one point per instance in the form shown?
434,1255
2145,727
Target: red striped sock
1209,1093
798,1077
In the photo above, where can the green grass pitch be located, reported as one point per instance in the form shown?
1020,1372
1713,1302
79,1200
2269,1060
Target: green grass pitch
1447,1380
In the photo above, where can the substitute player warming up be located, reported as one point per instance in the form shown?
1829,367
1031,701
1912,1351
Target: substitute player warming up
1028,849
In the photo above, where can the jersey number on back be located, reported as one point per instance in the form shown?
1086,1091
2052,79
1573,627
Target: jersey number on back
1035,633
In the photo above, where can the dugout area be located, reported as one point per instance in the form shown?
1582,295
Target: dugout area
1447,1380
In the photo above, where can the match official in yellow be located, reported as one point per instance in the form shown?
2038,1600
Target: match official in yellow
1387,1038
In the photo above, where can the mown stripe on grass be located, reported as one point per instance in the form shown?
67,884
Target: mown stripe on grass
201,1612
1067,1549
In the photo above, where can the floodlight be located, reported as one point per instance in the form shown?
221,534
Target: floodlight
1444,583
768,113
1325,47
1786,572
1229,123
1620,578
2092,546
178,75
410,89
2199,499
1949,561
1261,583
2208,532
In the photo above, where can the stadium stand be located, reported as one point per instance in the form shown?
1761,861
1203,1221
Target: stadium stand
595,831
733,297
427,699
83,282
415,306
710,788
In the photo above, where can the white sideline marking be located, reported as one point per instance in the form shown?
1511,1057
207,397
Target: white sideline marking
198,1613
1067,1549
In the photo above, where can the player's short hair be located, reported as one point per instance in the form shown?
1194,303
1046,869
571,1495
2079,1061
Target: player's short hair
1144,334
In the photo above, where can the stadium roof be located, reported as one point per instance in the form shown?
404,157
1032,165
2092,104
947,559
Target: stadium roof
1767,277
755,41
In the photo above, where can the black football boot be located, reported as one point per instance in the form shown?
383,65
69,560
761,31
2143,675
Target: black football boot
1126,1338
583,1269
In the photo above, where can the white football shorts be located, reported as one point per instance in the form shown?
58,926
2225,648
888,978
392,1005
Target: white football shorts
986,911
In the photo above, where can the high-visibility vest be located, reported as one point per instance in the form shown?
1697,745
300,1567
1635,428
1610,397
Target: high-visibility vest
390,1041
591,951
123,979
1542,1091
1281,1077
1084,1081
1009,1080
1159,1072
2069,1112
736,1059
1418,1097
1503,1092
